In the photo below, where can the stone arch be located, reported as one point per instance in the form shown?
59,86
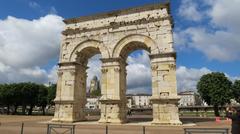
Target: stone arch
137,41
90,48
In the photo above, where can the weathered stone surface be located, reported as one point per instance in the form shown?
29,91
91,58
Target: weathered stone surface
114,35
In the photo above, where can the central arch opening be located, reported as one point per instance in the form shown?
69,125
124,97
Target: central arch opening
139,86
138,81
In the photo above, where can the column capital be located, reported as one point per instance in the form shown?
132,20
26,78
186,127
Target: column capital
67,64
59,73
118,60
163,55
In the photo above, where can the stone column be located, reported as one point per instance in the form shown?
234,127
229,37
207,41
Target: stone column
71,93
113,86
164,91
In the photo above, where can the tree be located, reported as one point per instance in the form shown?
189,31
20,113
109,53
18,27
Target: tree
42,99
51,93
1,95
95,93
236,90
30,96
6,96
16,95
26,95
1,91
215,89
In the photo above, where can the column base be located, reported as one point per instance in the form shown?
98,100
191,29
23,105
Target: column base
66,112
112,111
167,123
65,120
112,121
165,111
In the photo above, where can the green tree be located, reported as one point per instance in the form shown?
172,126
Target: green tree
42,99
16,95
1,90
95,93
51,93
236,90
215,89
1,95
30,96
6,96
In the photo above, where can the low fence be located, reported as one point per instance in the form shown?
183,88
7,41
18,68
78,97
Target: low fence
43,128
206,130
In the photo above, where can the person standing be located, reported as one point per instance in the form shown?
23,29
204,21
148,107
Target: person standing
234,114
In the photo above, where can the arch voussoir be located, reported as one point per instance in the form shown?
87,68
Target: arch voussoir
98,45
148,43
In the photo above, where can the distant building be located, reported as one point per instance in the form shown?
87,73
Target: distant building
139,101
94,84
94,89
129,101
92,103
189,98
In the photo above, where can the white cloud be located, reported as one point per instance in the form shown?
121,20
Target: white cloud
53,10
219,40
26,45
189,10
225,14
187,78
34,5
52,74
41,9
219,45
139,57
33,74
138,73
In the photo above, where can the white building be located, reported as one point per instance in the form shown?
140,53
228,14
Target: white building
133,101
92,103
139,101
188,98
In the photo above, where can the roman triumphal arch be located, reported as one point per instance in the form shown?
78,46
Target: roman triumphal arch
114,35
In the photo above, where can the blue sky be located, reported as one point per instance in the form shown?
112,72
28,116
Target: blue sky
205,37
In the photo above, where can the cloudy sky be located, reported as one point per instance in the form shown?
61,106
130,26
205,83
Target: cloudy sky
206,35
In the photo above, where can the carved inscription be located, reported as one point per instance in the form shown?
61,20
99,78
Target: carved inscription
69,82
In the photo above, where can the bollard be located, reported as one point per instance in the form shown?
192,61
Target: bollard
143,129
73,129
106,129
48,129
22,128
